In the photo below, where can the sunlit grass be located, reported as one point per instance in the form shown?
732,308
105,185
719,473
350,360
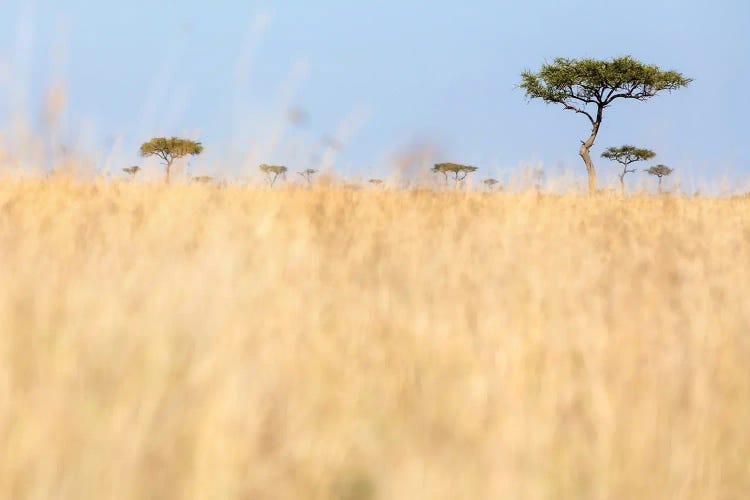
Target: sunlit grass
190,341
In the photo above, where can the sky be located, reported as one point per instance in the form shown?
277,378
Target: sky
359,86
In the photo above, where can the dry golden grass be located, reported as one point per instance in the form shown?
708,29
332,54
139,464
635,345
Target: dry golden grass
198,342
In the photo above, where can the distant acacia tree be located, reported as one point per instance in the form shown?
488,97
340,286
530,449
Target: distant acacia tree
170,150
458,171
490,183
589,86
131,171
625,155
660,171
203,179
376,182
273,172
307,175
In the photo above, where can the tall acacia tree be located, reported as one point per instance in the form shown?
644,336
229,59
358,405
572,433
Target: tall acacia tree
589,86
170,150
625,155
458,171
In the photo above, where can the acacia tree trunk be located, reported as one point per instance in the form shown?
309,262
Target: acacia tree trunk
169,167
585,150
622,183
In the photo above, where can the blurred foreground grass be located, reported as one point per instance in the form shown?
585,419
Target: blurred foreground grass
200,342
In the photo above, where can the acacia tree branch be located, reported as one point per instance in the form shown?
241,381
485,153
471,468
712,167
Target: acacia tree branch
578,110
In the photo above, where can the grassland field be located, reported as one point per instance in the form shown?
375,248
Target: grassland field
199,342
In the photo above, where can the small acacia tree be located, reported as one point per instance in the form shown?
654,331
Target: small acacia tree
131,171
376,182
459,172
273,172
659,171
589,86
625,155
170,150
490,183
307,175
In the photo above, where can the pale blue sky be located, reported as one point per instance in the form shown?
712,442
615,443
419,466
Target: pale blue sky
379,76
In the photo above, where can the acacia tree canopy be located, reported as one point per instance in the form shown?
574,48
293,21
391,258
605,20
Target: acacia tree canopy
459,171
589,86
132,170
170,149
660,170
625,155
273,172
273,169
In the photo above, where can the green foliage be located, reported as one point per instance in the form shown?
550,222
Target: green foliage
659,171
589,86
170,149
453,167
490,183
576,83
273,172
132,170
458,171
273,169
627,154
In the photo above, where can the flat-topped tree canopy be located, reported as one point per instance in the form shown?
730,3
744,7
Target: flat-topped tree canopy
459,171
659,170
589,86
453,167
625,155
170,149
274,169
273,172
578,83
